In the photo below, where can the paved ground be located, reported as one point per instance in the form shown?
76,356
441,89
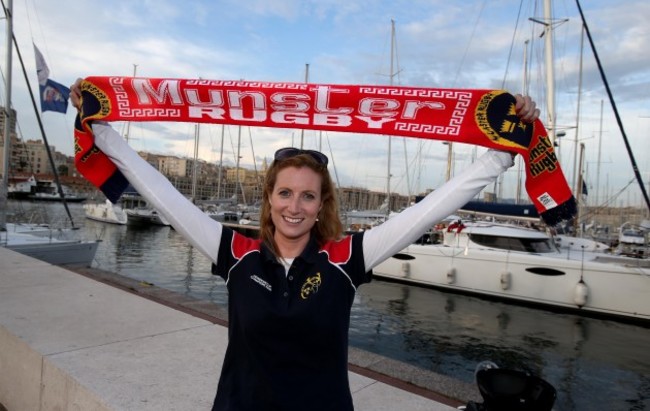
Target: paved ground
424,383
81,341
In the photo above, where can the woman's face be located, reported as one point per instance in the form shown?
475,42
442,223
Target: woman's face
295,203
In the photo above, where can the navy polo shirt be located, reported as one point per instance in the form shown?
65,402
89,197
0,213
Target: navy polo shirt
288,334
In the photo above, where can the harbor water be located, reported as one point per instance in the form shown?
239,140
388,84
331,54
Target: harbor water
594,364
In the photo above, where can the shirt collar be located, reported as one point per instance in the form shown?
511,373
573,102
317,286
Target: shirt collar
308,254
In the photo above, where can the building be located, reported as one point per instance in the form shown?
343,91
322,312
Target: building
37,158
15,159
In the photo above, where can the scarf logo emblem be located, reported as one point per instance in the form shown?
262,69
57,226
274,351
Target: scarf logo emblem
497,118
99,104
310,286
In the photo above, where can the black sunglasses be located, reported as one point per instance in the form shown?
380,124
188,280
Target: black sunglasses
288,152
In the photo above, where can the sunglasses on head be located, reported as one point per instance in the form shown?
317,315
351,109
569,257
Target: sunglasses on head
288,152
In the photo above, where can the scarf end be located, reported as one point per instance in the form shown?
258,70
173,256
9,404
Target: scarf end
561,213
114,186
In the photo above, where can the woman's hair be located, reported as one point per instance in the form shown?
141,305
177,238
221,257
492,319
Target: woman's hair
328,226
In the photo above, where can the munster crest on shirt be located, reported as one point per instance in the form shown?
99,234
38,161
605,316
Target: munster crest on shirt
310,286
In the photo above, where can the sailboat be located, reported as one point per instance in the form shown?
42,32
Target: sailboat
39,244
36,242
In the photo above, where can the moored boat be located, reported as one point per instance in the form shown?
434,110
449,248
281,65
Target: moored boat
524,265
145,216
633,241
71,198
105,212
45,244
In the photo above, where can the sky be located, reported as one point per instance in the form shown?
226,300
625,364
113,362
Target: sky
469,44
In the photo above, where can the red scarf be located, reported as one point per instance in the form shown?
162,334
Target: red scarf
481,117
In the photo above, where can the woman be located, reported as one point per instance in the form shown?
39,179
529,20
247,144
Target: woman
291,290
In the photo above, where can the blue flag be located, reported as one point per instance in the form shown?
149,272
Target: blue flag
54,96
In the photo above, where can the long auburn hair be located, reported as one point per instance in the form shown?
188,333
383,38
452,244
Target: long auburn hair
328,227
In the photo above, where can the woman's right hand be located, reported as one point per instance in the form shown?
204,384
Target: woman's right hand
75,94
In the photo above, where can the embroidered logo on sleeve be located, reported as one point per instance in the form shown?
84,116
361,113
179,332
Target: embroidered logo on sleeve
310,286
261,282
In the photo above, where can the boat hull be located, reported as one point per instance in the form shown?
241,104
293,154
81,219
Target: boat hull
586,286
105,213
68,253
56,197
145,217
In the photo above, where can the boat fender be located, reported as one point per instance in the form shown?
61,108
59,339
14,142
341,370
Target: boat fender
506,280
581,294
406,269
451,275
456,226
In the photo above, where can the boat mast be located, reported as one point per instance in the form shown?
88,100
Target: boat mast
302,131
7,119
550,70
524,91
600,142
390,82
195,161
577,180
575,139
238,185
579,192
197,131
223,132
548,23
128,124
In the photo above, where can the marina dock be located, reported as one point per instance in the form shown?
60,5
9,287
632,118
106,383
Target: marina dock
92,340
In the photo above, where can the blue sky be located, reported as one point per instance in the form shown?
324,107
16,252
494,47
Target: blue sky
439,44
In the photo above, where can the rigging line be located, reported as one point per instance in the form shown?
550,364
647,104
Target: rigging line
609,200
336,174
250,138
462,61
40,125
39,28
44,48
232,145
637,173
512,45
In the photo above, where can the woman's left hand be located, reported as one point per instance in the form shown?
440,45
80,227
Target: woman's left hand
526,108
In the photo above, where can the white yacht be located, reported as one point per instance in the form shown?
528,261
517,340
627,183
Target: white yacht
521,264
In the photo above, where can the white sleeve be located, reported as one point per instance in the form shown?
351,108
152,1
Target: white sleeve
197,227
400,231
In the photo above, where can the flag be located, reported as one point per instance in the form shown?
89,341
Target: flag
54,96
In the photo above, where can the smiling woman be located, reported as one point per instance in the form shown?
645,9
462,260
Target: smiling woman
290,292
